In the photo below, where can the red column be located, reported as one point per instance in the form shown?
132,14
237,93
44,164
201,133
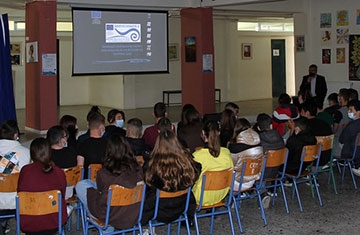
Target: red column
198,86
41,90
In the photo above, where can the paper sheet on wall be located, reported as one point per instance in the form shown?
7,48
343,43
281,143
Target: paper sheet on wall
48,64
207,63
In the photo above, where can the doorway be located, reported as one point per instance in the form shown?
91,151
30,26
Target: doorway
278,67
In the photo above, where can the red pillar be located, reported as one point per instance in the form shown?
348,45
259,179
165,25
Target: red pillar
198,86
41,90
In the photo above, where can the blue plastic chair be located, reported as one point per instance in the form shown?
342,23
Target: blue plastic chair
215,180
39,203
277,158
310,155
350,162
250,168
118,196
183,217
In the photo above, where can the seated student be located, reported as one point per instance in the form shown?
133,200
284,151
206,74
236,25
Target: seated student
86,135
212,157
116,119
133,136
62,155
70,124
350,132
171,169
244,144
233,107
39,176
333,102
284,112
353,94
92,150
227,125
317,127
341,119
184,110
13,156
300,135
119,167
323,115
151,133
190,133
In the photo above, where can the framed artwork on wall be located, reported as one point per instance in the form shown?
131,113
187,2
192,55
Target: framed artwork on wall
246,51
354,57
190,49
173,51
300,43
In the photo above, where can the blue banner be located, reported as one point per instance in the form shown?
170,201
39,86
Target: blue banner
7,100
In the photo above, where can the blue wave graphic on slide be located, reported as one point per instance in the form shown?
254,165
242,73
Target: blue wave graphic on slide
135,35
134,60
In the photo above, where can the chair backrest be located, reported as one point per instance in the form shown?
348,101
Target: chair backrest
38,203
357,145
276,157
92,171
325,141
73,175
217,180
9,182
309,154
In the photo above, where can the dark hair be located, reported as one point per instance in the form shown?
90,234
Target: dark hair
310,106
263,121
164,124
69,122
192,116
134,125
313,66
333,97
159,110
302,123
353,94
40,152
94,109
212,133
344,92
227,120
112,114
184,109
8,129
55,133
355,104
232,106
118,155
241,124
170,164
95,120
284,99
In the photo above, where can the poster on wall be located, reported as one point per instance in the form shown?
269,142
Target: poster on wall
325,20
326,56
354,57
342,18
357,16
32,52
190,49
300,43
342,36
325,38
340,55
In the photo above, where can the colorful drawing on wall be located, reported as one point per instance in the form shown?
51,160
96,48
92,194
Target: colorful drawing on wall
326,56
247,51
325,20
342,18
340,55
190,49
354,57
31,52
15,48
357,16
300,43
173,51
15,60
342,36
325,37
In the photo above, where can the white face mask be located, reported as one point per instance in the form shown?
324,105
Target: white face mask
351,116
119,123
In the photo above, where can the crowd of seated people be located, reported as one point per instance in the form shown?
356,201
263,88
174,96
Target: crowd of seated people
172,160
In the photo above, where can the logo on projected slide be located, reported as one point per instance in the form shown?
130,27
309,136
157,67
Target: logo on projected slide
122,33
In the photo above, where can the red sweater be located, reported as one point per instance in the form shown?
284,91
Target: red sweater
33,179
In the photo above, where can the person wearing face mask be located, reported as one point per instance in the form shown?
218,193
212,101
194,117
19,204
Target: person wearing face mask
300,135
92,150
349,133
116,119
314,84
62,155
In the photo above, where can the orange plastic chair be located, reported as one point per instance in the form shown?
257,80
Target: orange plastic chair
92,171
39,203
119,196
8,184
216,180
73,176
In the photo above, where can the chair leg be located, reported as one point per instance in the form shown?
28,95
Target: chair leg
196,224
261,208
297,194
212,221
331,173
231,221
317,190
284,198
352,175
343,171
238,215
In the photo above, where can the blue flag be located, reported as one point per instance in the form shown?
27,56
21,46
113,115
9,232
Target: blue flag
7,100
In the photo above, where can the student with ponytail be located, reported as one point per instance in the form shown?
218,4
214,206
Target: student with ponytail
39,176
212,157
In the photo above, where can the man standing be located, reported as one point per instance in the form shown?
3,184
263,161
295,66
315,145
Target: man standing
314,84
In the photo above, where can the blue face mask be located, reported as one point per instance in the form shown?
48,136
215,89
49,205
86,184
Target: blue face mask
119,123
102,133
351,116
66,145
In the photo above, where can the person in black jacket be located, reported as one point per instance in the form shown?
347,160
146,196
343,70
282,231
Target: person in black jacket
315,84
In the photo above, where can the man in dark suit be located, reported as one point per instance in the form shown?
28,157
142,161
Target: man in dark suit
314,84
